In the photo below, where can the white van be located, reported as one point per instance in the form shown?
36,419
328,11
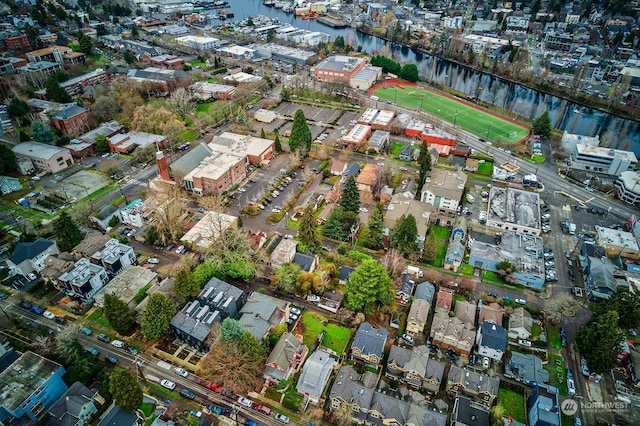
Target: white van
118,343
375,98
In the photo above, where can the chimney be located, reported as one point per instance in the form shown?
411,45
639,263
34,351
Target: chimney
163,167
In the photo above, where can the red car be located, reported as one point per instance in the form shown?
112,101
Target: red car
214,387
266,410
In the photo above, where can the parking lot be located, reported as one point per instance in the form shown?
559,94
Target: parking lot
311,112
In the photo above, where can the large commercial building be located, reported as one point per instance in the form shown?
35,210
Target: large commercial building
603,160
514,210
257,150
337,68
618,243
198,42
628,185
48,158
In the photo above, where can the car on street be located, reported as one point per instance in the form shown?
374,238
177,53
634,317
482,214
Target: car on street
180,250
485,362
118,343
4,295
49,315
104,338
282,418
263,408
228,394
181,372
245,401
521,301
132,350
110,358
32,276
91,350
567,254
25,305
153,260
168,384
493,294
37,310
60,320
214,387
187,393
86,331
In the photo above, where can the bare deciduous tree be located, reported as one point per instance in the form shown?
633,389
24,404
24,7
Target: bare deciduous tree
168,215
181,102
227,364
562,307
394,263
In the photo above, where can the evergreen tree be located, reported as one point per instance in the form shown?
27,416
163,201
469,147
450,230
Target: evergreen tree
156,316
125,390
424,162
18,109
118,313
40,132
430,249
367,285
129,57
231,329
55,92
185,285
404,234
542,125
350,198
101,144
8,161
86,44
278,144
338,43
333,227
375,227
300,139
308,230
409,72
67,233
599,341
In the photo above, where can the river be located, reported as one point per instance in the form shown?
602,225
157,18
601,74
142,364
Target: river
614,131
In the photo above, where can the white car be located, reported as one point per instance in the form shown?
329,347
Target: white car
521,301
485,362
180,250
182,372
245,401
168,384
49,315
117,343
153,260
31,276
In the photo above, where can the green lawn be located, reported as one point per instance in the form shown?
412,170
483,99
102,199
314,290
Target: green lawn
97,317
558,373
476,121
204,107
395,149
442,235
335,337
466,269
146,408
190,135
535,331
485,168
513,404
553,337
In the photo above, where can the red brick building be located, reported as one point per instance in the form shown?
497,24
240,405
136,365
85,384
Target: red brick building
337,68
17,44
167,61
73,120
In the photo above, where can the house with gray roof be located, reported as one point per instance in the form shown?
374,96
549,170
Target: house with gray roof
407,286
345,272
520,324
417,317
526,368
406,153
543,406
598,272
30,257
422,371
465,311
421,416
75,406
482,388
305,262
353,392
425,291
116,416
285,358
222,297
386,410
315,375
261,313
491,339
467,412
368,344
398,357
45,157
103,217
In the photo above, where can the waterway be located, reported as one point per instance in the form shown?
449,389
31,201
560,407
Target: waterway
614,131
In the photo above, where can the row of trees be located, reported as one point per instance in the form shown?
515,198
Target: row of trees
407,71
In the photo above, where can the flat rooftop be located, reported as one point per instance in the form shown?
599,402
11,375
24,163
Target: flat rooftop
601,152
514,206
617,238
126,284
215,166
357,134
339,63
234,143
23,377
38,150
209,228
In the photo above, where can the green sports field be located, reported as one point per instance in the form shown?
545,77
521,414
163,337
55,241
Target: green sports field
478,122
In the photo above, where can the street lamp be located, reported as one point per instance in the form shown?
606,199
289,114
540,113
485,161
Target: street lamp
455,119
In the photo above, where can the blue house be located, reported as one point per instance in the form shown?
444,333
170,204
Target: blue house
598,272
9,185
543,406
28,388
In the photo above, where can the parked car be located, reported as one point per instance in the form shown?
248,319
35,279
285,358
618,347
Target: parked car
104,338
153,260
228,394
110,358
49,315
245,401
452,355
263,408
25,305
214,387
118,343
294,310
180,250
485,362
60,320
282,418
132,350
407,339
521,301
182,372
91,350
37,310
168,384
3,295
86,331
32,276
187,394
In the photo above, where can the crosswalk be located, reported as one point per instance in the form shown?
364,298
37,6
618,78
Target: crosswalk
137,182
